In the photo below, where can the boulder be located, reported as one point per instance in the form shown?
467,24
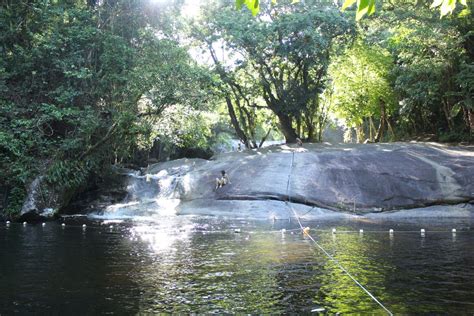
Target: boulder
42,201
109,189
355,178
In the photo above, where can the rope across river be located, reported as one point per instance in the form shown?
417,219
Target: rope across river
288,203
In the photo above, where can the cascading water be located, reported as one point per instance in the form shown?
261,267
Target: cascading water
148,196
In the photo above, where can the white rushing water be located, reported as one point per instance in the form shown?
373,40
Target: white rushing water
148,197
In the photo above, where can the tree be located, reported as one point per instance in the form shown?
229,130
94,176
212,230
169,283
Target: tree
73,77
361,90
428,54
234,84
288,49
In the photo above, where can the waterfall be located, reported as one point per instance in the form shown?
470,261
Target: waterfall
148,196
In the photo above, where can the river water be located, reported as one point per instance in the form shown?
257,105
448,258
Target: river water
214,265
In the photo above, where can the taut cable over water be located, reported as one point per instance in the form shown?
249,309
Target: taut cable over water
306,232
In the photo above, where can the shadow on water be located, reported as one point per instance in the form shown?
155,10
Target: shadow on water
212,265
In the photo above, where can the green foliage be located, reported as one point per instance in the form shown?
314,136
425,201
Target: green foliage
427,62
252,5
363,6
80,84
14,201
465,80
361,84
454,136
447,6
184,127
285,55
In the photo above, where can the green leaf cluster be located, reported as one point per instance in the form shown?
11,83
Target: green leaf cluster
81,83
284,53
361,82
363,6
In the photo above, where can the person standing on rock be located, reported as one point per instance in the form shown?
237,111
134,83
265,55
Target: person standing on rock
223,180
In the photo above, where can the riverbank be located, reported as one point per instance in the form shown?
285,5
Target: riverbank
318,179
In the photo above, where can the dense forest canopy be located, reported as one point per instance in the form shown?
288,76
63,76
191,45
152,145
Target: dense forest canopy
285,52
89,84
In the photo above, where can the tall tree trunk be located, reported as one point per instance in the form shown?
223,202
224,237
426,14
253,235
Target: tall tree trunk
311,135
320,135
264,138
310,126
371,129
447,114
471,121
298,127
379,134
287,128
360,133
390,129
241,132
235,122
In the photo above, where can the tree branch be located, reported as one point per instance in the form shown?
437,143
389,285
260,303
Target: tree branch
107,136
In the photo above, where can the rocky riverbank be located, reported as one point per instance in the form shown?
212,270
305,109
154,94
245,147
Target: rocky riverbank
316,180
354,179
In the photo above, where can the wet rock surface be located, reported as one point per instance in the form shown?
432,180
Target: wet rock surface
42,201
109,190
45,201
356,179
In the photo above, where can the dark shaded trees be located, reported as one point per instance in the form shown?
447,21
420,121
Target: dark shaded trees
79,81
430,74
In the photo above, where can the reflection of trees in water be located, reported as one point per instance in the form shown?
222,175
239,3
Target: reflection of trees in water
239,275
206,267
369,261
338,291
265,273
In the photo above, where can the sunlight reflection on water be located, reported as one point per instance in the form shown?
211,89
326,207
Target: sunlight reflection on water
192,264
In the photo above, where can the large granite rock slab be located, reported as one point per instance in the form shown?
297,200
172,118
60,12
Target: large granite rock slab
353,178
